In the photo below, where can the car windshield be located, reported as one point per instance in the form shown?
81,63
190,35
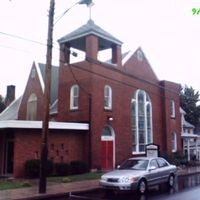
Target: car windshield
137,164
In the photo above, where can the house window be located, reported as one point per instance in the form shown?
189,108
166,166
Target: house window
141,121
74,97
174,142
31,113
107,97
172,108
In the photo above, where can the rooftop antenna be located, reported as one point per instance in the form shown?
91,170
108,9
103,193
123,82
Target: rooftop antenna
90,10
89,4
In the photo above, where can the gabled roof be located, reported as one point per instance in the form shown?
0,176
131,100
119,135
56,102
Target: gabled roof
11,112
136,63
182,111
77,37
54,80
187,124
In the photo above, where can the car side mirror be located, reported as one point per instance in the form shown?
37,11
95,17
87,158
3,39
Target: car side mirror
152,168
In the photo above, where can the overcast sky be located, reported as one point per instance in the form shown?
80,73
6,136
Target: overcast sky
166,30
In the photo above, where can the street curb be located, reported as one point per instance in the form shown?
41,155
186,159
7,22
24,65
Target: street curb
180,173
46,196
188,173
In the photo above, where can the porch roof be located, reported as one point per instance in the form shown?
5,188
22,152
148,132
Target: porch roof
38,125
190,135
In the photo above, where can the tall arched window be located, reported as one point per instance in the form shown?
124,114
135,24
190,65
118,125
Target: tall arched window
107,97
141,121
174,142
31,113
172,104
74,97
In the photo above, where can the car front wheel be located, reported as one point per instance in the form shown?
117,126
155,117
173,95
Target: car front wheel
142,186
171,180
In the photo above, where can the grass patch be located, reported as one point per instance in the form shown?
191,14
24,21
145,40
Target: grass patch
7,184
73,178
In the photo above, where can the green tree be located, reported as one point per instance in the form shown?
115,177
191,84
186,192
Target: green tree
189,100
2,104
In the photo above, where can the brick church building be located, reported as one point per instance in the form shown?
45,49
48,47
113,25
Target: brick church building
101,112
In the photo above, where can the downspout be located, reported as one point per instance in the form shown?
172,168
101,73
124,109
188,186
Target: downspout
90,133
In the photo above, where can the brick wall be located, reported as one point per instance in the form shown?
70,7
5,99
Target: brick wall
2,145
64,146
33,86
124,82
170,92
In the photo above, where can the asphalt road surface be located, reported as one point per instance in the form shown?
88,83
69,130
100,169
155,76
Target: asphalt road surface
186,188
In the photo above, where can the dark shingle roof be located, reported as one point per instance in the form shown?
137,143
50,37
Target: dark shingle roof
11,112
54,80
106,39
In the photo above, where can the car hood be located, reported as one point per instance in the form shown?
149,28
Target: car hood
123,172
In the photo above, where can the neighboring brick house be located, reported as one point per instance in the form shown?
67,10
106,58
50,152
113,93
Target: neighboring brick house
101,112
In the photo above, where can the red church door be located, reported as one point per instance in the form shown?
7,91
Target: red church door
107,149
107,155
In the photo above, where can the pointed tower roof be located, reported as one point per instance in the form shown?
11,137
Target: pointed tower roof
77,37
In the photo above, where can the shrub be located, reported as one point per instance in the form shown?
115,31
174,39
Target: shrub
176,158
78,167
66,180
32,168
62,169
50,167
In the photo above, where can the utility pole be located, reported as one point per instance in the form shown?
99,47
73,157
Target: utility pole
47,94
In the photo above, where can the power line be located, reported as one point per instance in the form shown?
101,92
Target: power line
22,38
88,59
91,60
13,48
119,81
74,77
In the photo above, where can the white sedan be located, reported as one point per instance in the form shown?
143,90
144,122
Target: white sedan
138,173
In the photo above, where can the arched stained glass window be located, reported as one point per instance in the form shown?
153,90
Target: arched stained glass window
31,113
74,97
107,97
174,142
141,121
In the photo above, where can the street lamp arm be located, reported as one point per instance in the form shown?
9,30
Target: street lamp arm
87,2
58,19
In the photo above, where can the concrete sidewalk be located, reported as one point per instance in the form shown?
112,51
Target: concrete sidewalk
59,189
52,190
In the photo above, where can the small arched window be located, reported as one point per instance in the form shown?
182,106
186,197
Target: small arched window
142,130
31,113
107,97
172,102
174,142
74,97
107,134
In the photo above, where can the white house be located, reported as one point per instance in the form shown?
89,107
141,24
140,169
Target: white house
191,141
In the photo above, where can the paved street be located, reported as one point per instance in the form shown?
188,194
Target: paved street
65,188
187,187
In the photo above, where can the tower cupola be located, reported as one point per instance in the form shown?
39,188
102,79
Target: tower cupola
90,39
